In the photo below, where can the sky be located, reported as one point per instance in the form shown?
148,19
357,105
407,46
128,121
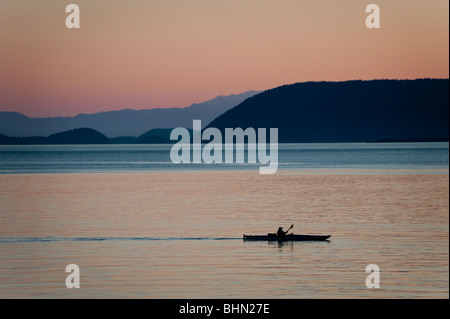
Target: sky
143,54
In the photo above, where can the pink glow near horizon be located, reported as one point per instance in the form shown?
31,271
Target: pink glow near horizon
170,53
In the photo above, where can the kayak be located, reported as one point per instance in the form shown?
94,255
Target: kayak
291,237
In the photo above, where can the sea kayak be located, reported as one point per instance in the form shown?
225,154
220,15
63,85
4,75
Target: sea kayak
292,237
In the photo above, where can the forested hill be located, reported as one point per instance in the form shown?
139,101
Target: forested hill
352,111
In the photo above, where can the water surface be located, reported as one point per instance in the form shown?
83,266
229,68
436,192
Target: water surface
178,233
144,158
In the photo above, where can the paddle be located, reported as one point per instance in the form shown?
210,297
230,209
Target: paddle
292,226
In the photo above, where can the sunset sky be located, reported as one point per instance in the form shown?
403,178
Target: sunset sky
171,53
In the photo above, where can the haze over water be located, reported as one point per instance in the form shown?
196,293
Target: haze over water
158,231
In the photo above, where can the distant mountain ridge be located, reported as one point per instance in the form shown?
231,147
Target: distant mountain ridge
321,112
126,122
91,136
351,111
76,136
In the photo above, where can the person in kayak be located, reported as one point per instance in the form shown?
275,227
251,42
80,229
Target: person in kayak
280,232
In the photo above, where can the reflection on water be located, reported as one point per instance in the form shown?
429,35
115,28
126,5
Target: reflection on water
179,234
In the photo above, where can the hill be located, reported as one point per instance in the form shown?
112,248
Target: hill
76,136
90,136
351,111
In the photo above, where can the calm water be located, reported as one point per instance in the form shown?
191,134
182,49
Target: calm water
144,158
157,230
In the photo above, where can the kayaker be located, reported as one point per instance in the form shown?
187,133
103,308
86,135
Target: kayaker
280,232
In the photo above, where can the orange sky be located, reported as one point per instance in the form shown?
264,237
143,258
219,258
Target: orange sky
171,53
